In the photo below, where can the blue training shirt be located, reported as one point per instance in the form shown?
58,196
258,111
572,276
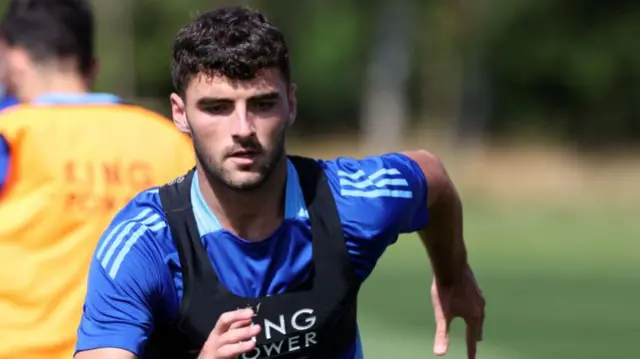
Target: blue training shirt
135,270
45,100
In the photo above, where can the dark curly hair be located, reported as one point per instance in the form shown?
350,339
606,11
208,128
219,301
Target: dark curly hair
235,42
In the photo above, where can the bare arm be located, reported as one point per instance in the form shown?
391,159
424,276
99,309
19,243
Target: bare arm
443,238
454,292
106,353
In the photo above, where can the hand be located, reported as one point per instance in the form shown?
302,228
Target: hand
232,336
462,299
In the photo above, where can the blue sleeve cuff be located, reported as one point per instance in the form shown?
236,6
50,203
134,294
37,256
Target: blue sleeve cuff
117,342
420,217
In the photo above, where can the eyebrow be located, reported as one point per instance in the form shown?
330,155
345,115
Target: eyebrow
266,96
211,100
261,97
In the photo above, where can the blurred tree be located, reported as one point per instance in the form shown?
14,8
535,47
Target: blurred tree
475,90
385,111
329,41
569,67
117,45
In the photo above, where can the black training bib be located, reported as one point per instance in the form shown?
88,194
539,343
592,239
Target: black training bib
316,319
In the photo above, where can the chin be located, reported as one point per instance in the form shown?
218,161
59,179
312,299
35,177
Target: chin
246,181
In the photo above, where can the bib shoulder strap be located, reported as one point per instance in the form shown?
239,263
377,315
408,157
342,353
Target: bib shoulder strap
175,197
310,175
326,225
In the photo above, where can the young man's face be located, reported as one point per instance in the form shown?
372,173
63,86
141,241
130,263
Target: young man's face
238,127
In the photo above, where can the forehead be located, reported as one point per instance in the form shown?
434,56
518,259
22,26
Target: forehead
219,86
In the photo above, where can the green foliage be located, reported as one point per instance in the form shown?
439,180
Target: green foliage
572,66
569,67
328,44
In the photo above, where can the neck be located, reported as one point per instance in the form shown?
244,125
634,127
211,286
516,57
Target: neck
53,82
250,214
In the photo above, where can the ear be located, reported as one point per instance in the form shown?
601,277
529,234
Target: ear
179,114
18,69
293,104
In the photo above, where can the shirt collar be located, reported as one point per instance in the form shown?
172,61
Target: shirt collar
77,99
295,206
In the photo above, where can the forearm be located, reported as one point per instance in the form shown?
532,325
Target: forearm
443,237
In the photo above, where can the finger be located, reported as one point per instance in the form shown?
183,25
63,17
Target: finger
473,329
240,324
441,343
234,336
481,329
235,350
227,319
472,347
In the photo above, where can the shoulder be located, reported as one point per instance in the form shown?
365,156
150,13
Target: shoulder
13,121
381,170
15,115
383,193
145,207
128,280
138,234
144,114
387,177
154,122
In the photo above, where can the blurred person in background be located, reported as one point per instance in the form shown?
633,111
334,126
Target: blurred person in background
220,263
69,159
6,99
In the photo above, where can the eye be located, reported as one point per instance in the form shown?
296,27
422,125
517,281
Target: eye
263,105
217,108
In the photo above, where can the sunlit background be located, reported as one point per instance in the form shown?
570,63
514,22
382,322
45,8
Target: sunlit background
534,105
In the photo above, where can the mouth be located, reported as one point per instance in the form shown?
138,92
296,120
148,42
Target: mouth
244,154
245,157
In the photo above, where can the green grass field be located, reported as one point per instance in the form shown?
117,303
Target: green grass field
559,284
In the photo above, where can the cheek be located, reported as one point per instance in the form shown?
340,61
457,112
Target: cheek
270,133
206,129
209,138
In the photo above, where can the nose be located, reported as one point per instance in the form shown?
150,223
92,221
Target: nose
242,125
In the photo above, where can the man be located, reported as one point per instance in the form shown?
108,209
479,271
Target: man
220,263
69,159
6,99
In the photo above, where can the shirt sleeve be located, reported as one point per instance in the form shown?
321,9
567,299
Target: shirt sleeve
125,284
4,162
378,198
